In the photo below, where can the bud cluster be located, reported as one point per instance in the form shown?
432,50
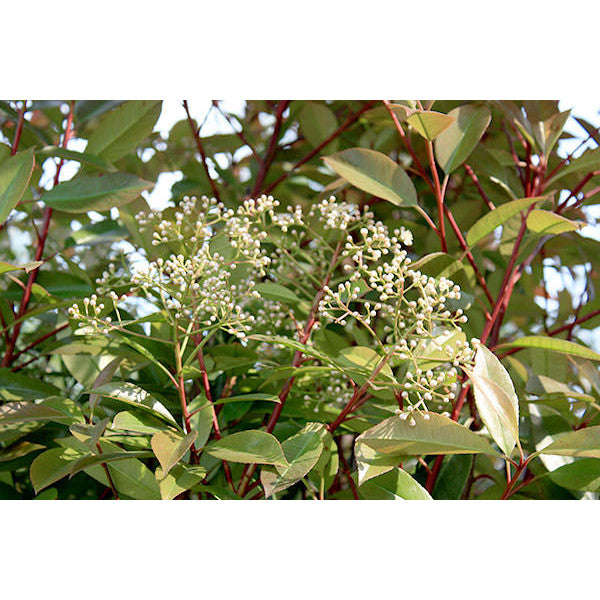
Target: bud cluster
212,260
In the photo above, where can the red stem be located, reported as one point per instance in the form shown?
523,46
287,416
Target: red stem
349,121
9,356
265,165
200,147
19,130
475,180
346,470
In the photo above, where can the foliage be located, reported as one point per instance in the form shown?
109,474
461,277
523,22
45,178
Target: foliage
386,325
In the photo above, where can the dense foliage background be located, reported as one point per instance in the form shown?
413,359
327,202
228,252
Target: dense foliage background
150,410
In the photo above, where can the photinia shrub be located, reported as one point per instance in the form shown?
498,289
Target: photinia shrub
385,326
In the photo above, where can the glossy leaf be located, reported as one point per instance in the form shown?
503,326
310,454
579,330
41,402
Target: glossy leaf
60,410
51,466
257,397
495,398
429,123
548,223
107,457
431,434
131,476
493,219
95,192
27,267
277,292
374,173
180,478
588,161
15,173
18,450
16,386
582,475
454,145
135,397
553,344
302,452
81,157
170,447
140,422
251,446
123,128
393,485
317,122
583,442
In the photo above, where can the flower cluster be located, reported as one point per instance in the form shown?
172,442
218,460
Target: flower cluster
417,324
212,260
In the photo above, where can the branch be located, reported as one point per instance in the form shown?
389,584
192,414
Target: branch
265,165
240,134
8,357
296,362
347,123
468,254
19,130
475,180
196,134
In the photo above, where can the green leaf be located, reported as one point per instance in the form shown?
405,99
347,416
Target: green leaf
95,192
249,397
454,145
453,477
130,476
582,475
123,128
107,457
90,434
588,161
27,267
430,124
549,223
170,448
50,466
103,377
179,479
15,173
374,173
59,410
102,232
201,419
18,450
141,422
553,344
81,157
317,122
302,452
583,442
496,399
279,293
488,223
135,397
371,464
251,446
15,386
393,485
362,360
438,264
553,127
431,434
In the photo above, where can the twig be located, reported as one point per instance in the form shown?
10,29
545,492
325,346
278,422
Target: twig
26,297
347,123
19,130
265,164
200,147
